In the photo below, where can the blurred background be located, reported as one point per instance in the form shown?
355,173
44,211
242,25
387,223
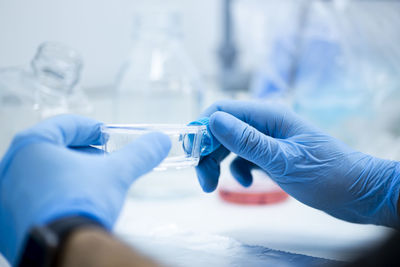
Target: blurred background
332,61
336,63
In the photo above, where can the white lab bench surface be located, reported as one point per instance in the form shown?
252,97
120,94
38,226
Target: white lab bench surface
202,229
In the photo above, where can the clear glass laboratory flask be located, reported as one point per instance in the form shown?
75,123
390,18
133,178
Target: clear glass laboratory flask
57,69
48,88
158,82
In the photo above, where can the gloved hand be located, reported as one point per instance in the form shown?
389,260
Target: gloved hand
50,172
313,167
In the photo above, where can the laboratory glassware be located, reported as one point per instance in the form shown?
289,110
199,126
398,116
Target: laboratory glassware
57,69
49,88
187,142
158,82
263,190
177,180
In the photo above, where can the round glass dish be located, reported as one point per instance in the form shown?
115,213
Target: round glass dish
186,141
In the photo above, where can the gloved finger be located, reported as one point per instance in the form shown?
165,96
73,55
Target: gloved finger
140,156
66,130
241,171
244,140
275,121
208,170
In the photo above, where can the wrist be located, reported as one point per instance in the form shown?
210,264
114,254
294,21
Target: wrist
390,182
44,244
91,247
376,188
396,194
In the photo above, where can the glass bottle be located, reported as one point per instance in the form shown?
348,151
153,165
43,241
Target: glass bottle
57,71
48,88
158,82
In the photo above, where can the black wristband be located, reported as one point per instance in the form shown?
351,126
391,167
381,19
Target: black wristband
45,244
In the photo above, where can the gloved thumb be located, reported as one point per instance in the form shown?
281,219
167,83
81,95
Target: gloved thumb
244,140
140,156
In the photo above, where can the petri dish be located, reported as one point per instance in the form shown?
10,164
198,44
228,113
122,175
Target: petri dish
246,197
263,191
187,142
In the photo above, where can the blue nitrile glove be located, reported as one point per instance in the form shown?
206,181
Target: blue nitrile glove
50,172
313,167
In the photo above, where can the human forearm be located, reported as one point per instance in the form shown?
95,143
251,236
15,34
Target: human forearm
94,247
